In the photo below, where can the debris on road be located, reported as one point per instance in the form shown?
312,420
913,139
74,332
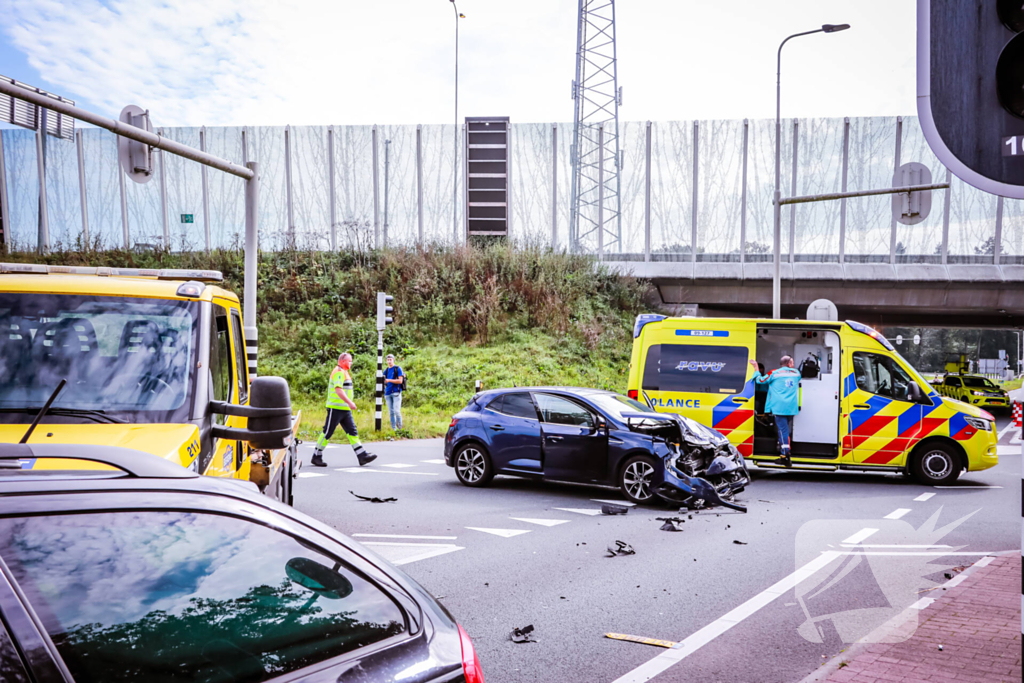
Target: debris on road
621,548
641,640
670,523
739,543
374,499
614,510
522,635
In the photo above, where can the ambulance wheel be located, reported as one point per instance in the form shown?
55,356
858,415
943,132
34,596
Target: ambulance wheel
473,466
637,480
935,465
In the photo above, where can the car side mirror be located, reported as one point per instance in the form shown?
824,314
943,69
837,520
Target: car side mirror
269,413
917,395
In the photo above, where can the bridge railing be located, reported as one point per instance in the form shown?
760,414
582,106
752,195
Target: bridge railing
709,185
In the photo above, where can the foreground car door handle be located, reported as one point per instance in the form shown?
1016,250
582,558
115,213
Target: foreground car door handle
497,428
554,438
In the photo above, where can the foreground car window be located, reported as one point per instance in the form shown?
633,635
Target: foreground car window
177,596
556,410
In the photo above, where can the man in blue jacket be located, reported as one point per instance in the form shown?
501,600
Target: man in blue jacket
783,400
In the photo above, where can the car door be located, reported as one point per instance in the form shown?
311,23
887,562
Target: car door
158,594
575,448
227,385
513,432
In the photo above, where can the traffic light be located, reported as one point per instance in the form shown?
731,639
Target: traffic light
970,89
383,310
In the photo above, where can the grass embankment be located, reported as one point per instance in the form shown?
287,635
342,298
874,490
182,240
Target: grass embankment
501,315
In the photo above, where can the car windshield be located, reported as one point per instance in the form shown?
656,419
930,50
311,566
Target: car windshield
617,404
127,357
979,383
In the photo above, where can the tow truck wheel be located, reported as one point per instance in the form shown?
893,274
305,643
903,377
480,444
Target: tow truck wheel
637,480
473,466
935,465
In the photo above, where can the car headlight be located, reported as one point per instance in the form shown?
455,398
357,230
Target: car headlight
980,424
977,393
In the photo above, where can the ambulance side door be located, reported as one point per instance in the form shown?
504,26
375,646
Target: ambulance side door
701,370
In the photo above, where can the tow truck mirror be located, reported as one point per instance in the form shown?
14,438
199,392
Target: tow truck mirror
269,415
322,580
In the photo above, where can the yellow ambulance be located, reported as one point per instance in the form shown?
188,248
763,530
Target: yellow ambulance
862,406
153,360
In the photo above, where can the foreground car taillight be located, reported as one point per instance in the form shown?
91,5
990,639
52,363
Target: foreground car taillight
470,662
633,394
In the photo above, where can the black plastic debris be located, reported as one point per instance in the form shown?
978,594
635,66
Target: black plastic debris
670,523
739,542
621,548
614,510
374,499
523,635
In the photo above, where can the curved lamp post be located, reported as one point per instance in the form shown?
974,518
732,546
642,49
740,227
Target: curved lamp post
776,278
455,163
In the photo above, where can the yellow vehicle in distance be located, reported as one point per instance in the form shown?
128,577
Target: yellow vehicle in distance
154,360
973,389
862,406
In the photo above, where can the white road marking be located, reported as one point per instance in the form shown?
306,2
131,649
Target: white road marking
425,538
893,545
984,562
939,553
311,474
542,522
967,487
504,533
435,461
353,470
695,641
398,465
615,502
581,511
1006,429
922,603
405,553
923,497
897,513
860,536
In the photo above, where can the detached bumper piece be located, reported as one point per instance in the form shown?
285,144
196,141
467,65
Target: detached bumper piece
729,477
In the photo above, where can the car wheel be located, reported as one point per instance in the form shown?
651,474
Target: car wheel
473,465
637,480
935,465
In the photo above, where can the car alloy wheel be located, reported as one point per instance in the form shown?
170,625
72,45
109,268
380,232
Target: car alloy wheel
936,464
471,465
637,478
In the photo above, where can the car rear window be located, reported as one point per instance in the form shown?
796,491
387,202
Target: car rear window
695,368
184,596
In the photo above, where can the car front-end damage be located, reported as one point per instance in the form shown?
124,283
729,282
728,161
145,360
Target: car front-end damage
701,466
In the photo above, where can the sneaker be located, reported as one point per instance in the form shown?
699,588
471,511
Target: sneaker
366,458
318,459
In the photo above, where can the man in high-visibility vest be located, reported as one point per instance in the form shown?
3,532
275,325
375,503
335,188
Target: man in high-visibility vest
339,412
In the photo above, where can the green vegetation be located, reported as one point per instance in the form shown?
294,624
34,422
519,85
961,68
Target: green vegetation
501,315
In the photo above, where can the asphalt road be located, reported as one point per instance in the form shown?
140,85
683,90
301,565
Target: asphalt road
766,596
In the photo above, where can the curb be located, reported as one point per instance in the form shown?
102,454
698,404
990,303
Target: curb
831,666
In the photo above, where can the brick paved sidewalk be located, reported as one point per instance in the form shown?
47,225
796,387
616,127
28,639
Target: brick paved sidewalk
977,622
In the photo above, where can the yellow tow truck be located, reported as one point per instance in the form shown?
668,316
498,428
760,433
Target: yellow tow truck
153,360
960,384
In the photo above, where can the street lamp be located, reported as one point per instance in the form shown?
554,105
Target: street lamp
455,167
776,278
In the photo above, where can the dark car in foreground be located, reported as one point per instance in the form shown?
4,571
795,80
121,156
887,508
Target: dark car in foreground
595,437
121,566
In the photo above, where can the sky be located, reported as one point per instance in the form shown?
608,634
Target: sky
303,62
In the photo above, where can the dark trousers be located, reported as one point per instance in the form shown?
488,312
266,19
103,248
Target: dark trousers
340,418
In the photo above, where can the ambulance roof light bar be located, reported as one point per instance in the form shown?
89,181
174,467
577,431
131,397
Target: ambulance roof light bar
157,273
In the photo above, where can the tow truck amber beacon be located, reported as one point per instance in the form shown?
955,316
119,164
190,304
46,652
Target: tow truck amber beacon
154,360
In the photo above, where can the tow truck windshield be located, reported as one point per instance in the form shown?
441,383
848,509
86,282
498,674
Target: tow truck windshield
979,383
125,358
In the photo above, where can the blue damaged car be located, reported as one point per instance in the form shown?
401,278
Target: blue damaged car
597,437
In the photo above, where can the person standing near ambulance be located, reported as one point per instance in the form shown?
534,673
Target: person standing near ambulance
783,401
339,412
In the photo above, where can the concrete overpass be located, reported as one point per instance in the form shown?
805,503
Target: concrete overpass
953,295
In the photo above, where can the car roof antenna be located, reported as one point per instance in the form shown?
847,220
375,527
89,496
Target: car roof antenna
46,407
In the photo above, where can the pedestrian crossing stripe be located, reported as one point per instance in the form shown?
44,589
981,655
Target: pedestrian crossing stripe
641,640
397,465
541,522
305,475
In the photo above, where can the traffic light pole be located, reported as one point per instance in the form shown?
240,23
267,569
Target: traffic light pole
380,380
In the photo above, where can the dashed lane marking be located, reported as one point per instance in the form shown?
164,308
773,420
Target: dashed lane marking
923,497
305,475
364,470
860,536
968,487
414,536
922,603
405,553
897,513
504,533
615,502
581,511
398,465
893,545
542,522
435,461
